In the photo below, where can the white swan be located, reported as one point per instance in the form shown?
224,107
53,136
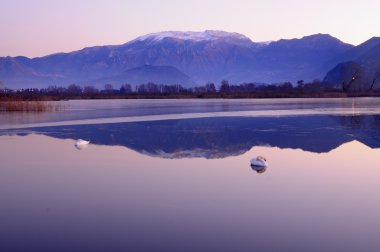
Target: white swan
259,161
81,144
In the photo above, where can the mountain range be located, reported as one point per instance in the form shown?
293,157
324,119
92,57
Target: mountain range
195,58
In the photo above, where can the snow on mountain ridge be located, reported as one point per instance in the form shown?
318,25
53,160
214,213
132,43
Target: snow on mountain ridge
194,36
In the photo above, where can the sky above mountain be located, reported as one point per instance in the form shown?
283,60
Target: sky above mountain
40,27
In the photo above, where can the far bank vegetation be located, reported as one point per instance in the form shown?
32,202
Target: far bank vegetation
34,99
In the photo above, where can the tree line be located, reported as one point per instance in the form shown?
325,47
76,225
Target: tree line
152,90
151,87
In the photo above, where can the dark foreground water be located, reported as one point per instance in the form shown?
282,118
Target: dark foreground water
180,180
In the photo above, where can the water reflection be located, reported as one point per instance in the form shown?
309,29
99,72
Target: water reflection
223,137
110,198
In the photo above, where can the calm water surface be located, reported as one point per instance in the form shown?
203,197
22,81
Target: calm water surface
95,111
175,176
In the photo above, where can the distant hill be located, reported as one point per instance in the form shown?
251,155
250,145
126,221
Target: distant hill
360,67
358,51
17,72
208,56
297,59
147,73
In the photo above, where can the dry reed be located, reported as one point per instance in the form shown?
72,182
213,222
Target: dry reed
29,106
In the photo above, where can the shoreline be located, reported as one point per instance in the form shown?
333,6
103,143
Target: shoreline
12,97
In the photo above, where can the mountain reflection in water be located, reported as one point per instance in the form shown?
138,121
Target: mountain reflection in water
224,136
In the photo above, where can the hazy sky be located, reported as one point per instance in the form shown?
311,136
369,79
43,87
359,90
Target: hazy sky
39,27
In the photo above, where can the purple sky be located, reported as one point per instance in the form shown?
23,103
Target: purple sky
40,27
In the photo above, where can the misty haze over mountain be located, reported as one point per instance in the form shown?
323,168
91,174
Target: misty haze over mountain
195,58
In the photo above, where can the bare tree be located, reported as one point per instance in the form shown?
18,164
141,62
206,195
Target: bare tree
210,88
90,90
224,86
74,89
152,88
300,84
108,88
126,89
141,89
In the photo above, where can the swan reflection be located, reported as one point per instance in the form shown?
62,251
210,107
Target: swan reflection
259,169
259,161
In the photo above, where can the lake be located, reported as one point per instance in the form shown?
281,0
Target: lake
175,175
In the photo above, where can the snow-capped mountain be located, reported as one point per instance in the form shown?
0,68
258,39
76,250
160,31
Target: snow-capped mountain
193,36
208,56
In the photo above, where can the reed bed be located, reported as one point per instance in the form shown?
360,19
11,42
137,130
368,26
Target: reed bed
29,106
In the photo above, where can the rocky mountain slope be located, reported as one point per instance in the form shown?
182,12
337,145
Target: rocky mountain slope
208,56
